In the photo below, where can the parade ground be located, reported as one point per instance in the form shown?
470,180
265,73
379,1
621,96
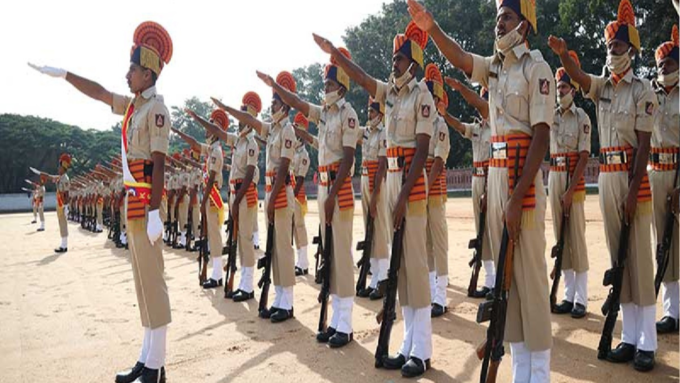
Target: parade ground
73,317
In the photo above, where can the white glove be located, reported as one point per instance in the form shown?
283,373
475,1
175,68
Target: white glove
50,71
66,210
154,226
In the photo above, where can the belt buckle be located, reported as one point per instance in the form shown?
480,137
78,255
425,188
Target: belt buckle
268,180
560,161
613,158
364,171
499,150
666,158
324,177
393,163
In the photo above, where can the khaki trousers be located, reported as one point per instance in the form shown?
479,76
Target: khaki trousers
300,232
575,255
244,230
437,236
662,184
342,263
283,258
381,223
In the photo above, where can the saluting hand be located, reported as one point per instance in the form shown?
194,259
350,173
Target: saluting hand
50,71
453,83
267,79
558,45
218,103
421,16
191,113
324,44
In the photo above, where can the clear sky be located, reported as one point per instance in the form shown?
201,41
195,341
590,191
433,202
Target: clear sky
218,45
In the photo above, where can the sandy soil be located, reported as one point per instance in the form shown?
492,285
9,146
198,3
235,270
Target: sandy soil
73,318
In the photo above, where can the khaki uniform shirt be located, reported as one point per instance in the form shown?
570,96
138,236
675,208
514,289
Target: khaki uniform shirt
338,128
570,131
374,143
244,153
280,139
667,120
479,134
300,164
440,144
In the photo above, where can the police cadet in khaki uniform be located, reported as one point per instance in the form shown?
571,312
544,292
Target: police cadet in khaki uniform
410,113
625,107
145,130
100,190
373,142
479,134
299,169
243,178
570,139
39,203
337,123
194,194
664,162
63,188
521,102
437,227
280,139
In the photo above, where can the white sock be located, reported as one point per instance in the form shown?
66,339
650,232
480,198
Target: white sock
569,285
42,224
540,366
422,334
64,242
286,301
375,270
246,283
629,313
490,272
278,291
646,326
146,343
521,363
156,357
217,268
433,285
582,288
671,297
406,345
335,306
256,238
440,290
345,306
302,262
183,238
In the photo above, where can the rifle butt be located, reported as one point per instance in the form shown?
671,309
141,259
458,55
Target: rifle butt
493,371
480,351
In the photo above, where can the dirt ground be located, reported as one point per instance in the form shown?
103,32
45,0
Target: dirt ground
73,318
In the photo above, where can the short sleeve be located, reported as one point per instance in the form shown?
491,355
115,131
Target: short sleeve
596,85
425,114
253,153
215,163
158,120
287,142
584,132
304,166
443,145
470,130
120,104
541,95
480,70
382,145
350,128
647,104
231,139
314,113
266,128
381,89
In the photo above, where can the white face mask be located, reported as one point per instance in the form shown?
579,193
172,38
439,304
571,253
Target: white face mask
404,79
618,64
331,98
375,122
668,79
508,41
566,100
278,115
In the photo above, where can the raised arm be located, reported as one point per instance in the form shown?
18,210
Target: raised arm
187,138
288,98
453,52
243,117
470,96
85,86
209,126
559,46
454,123
353,70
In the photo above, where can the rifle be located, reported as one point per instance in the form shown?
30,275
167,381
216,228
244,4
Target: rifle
364,263
325,273
491,351
190,225
317,256
230,267
614,278
203,253
663,248
266,264
175,229
388,314
557,253
477,243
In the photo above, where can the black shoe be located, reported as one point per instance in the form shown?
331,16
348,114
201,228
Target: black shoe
242,296
480,293
151,376
323,337
563,308
119,245
178,246
340,339
414,367
61,249
256,247
281,315
394,362
644,361
379,292
300,272
130,375
438,310
34,221
666,325
579,311
267,313
211,283
623,353
41,229
365,293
